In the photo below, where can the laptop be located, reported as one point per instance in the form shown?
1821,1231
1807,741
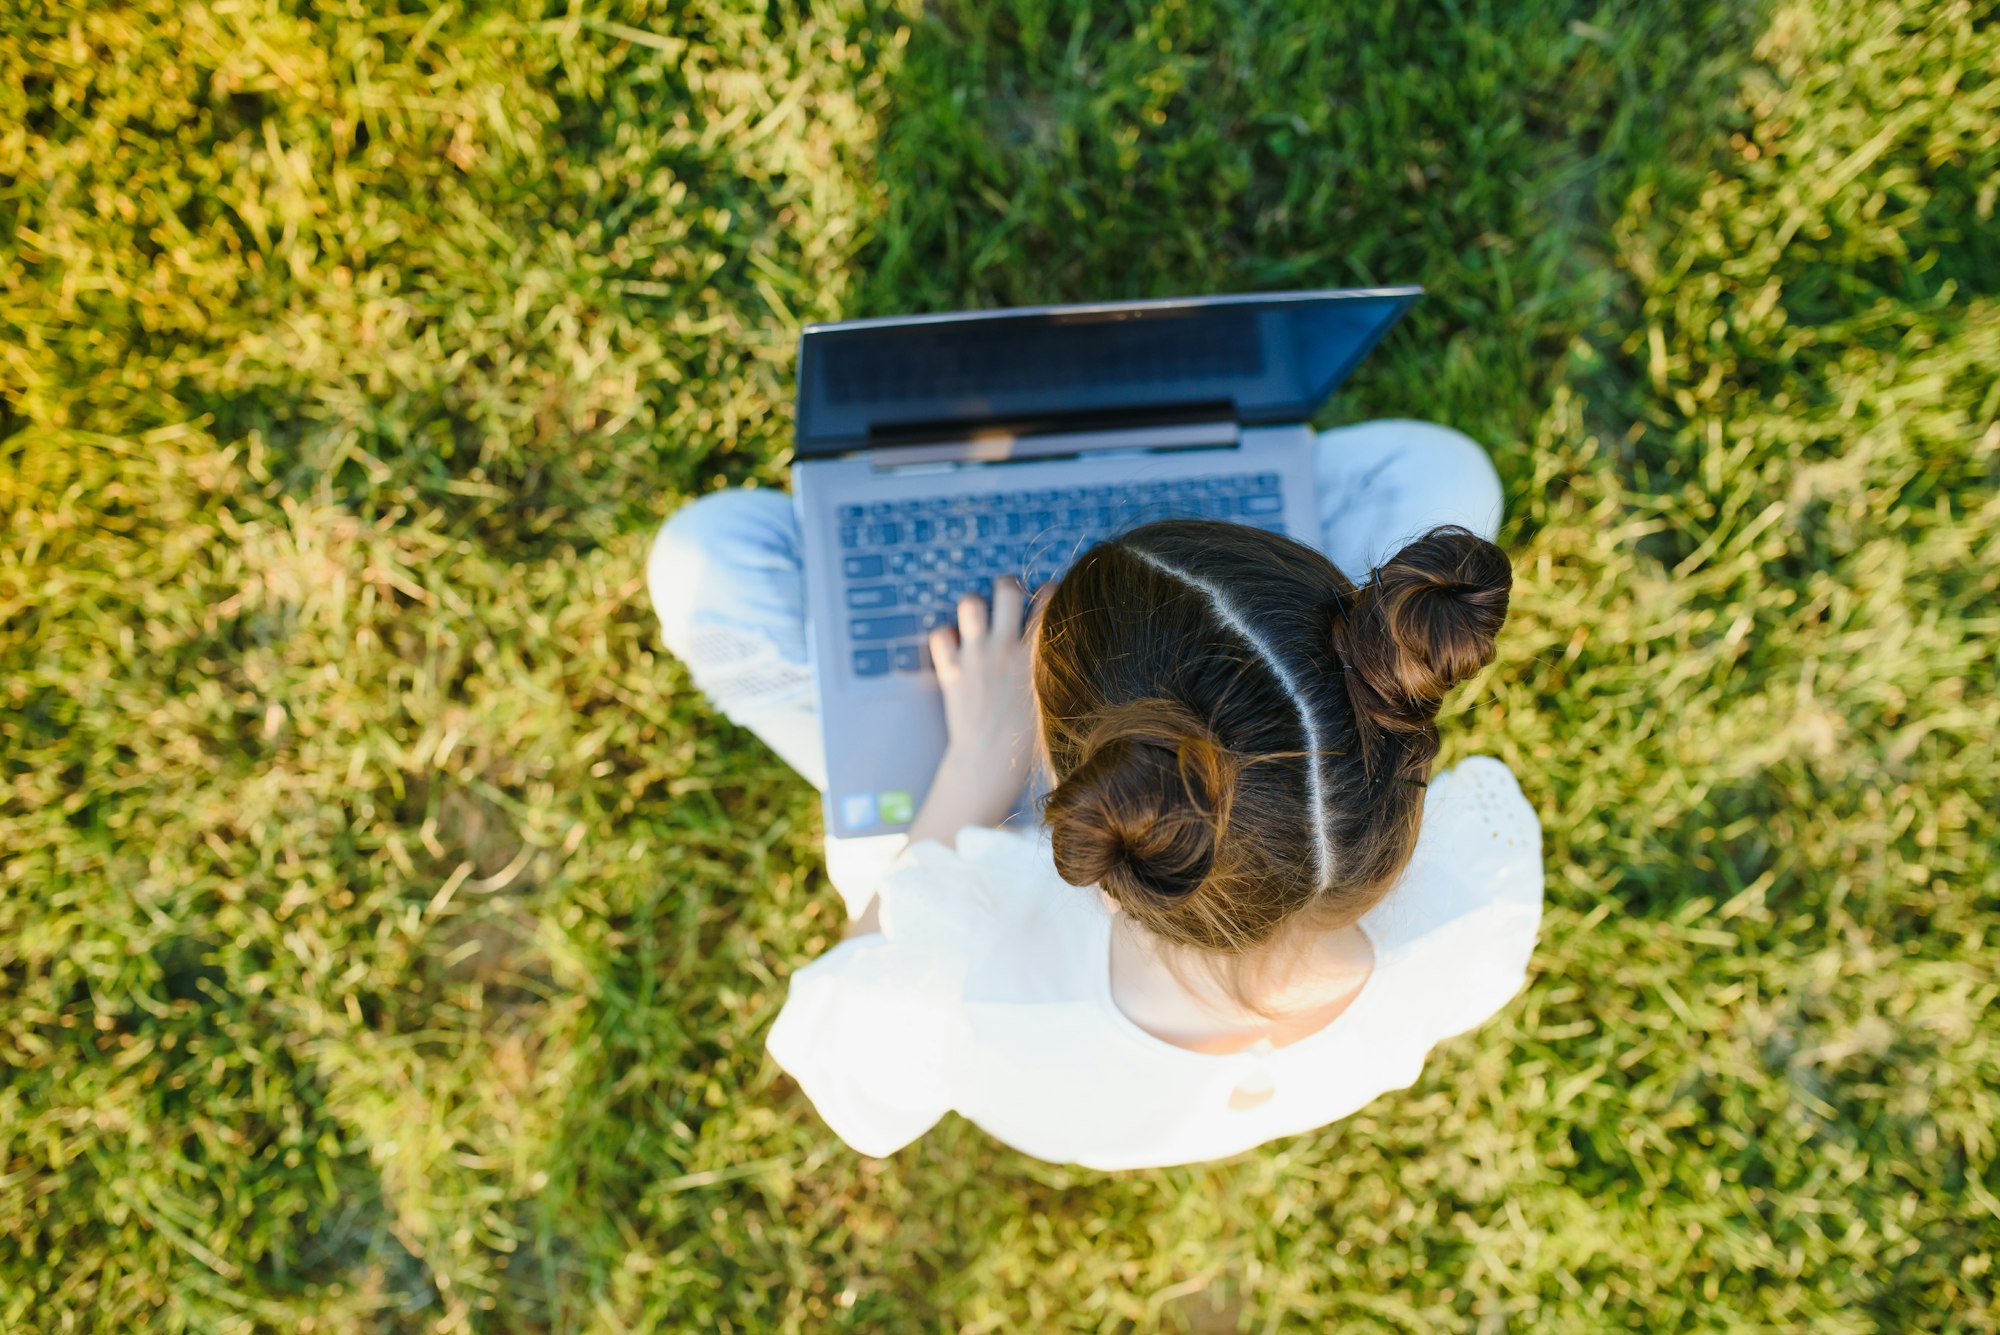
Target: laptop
937,452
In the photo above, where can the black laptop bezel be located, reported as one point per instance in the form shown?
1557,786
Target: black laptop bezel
813,442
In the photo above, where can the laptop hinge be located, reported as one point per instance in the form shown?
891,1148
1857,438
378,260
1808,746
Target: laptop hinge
999,445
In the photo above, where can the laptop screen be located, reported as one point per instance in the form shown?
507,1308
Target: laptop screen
1257,359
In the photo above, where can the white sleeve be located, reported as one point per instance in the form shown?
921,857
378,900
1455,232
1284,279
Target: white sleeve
874,1030
1492,848
871,1051
1498,944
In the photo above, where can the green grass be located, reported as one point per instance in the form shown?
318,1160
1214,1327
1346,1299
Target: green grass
388,933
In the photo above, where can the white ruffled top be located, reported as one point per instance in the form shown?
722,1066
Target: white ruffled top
988,993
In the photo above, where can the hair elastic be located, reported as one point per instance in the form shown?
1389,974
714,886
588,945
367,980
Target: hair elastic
1339,604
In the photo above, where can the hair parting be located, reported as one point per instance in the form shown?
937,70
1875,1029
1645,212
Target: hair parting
1315,780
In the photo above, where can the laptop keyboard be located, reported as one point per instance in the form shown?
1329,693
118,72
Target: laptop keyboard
905,564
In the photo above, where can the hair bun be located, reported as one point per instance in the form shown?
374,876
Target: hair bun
1424,622
1142,810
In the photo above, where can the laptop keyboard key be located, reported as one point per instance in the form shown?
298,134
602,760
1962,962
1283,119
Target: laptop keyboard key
1263,505
871,662
867,596
882,628
862,567
911,658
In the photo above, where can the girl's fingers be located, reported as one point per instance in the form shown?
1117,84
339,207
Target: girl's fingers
1007,602
944,653
971,619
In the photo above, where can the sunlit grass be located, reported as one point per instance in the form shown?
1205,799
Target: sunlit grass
388,933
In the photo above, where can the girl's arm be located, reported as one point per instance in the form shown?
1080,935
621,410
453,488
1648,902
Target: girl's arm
989,714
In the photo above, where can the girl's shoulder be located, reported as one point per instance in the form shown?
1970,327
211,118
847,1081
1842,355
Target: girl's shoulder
1477,806
1478,857
961,899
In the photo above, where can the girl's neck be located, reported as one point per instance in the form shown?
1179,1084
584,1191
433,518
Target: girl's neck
1180,1005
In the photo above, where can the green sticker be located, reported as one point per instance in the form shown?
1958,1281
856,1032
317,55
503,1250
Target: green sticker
895,806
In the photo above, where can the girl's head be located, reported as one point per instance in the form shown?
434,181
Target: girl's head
1238,734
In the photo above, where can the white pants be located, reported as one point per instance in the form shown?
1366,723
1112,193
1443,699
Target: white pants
727,579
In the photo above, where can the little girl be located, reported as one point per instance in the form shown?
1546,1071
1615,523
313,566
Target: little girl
1250,906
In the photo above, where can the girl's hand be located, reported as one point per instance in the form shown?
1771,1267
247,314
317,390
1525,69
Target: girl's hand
989,714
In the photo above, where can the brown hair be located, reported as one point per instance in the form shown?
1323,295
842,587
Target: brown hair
1239,735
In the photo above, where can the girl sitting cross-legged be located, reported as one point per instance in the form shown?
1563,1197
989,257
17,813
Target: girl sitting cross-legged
1249,906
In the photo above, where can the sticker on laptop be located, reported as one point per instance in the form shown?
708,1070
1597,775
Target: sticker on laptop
857,810
895,807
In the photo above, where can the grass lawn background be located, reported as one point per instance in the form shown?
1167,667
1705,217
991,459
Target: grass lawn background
388,933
